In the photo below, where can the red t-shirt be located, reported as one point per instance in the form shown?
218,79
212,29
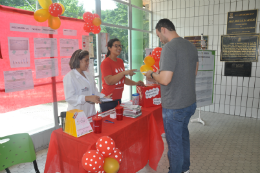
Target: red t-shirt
110,67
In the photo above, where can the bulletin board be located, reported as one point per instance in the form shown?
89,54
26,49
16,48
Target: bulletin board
30,74
205,78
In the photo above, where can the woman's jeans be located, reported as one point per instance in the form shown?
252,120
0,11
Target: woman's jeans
177,135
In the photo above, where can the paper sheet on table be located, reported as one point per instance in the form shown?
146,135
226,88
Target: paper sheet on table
18,80
68,46
105,100
19,52
46,68
82,124
45,47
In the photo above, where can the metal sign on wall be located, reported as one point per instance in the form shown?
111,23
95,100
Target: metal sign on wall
242,22
196,41
239,48
238,69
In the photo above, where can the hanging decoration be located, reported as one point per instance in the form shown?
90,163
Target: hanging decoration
106,158
51,12
152,61
92,23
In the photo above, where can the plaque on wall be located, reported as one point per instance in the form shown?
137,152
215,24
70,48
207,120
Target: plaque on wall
242,22
238,69
196,40
239,48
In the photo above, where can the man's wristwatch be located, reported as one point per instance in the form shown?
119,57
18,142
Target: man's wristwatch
152,75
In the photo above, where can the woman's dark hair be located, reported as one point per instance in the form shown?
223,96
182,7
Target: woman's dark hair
110,44
166,23
76,57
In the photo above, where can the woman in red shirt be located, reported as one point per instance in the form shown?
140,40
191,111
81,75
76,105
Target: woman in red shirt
113,75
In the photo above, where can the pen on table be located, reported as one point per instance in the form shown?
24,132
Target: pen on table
107,121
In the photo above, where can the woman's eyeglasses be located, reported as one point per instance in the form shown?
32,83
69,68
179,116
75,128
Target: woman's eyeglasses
118,46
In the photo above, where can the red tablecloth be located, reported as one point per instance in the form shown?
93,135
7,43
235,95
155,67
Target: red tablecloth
139,139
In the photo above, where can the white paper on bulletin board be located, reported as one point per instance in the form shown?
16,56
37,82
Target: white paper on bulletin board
19,52
65,67
204,88
205,78
45,47
104,40
18,80
68,46
206,60
87,44
70,32
46,68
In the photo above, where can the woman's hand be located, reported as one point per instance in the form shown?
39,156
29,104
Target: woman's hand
140,83
108,96
93,98
130,72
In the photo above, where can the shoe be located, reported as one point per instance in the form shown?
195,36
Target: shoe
182,172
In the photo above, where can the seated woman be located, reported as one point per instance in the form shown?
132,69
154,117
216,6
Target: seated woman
113,75
79,85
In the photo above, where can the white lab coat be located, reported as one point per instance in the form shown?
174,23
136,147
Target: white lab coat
76,87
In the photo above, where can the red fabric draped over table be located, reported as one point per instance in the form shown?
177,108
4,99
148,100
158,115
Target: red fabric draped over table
139,140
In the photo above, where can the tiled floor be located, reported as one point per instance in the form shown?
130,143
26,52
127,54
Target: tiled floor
226,144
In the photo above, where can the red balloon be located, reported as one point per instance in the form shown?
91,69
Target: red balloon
88,27
156,66
105,145
117,155
157,53
93,161
96,29
55,9
88,17
101,171
95,15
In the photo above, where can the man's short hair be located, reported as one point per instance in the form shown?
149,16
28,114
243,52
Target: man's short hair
166,23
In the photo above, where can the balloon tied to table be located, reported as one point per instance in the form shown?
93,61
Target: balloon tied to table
106,158
51,12
92,23
151,62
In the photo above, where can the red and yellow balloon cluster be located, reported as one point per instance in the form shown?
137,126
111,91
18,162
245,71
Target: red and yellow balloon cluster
105,159
92,22
152,61
50,11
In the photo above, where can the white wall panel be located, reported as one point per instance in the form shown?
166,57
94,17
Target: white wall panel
232,95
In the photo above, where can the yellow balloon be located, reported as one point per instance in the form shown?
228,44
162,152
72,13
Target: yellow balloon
45,3
111,165
63,8
96,21
54,22
41,15
149,61
145,68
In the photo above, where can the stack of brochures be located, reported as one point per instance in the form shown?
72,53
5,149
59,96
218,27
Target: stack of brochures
132,111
